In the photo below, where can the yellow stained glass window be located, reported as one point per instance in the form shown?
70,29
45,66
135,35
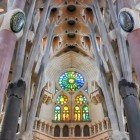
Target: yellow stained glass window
77,113
62,99
66,116
80,99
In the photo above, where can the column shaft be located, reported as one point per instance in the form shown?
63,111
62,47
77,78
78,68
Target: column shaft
132,108
134,47
7,46
10,122
15,94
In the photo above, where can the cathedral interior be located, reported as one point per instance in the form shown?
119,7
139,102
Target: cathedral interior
69,70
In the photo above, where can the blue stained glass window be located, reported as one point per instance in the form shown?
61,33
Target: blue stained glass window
71,81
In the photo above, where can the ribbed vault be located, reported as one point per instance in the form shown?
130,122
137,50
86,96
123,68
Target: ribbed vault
71,60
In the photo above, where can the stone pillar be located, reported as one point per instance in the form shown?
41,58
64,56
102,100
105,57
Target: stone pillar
6,54
61,131
49,130
52,131
72,129
133,40
40,129
7,44
82,134
128,92
90,131
15,94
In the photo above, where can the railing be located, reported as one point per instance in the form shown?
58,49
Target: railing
101,126
47,130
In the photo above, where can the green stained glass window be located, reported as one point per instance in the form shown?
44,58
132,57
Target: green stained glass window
71,81
62,99
85,111
57,112
80,99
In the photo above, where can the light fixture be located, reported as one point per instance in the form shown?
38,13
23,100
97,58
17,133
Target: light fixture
126,21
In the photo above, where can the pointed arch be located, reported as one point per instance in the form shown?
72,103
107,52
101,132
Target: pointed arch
65,131
57,131
86,131
77,131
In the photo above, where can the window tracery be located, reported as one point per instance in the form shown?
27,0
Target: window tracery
79,109
71,81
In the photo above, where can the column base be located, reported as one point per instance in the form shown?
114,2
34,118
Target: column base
117,135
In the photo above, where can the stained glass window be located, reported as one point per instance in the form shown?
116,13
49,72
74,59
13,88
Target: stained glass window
66,115
77,113
71,81
80,99
85,112
57,113
62,99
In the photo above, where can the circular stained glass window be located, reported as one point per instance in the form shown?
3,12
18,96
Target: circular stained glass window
71,81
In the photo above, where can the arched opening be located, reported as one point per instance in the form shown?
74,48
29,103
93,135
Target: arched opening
86,131
57,131
65,131
77,131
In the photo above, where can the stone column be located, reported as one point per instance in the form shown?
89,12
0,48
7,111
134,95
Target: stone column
72,129
49,130
132,108
40,129
90,131
133,40
61,131
15,94
7,46
82,134
6,54
52,131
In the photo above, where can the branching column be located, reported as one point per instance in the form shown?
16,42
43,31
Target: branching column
104,86
15,94
8,38
131,32
128,92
